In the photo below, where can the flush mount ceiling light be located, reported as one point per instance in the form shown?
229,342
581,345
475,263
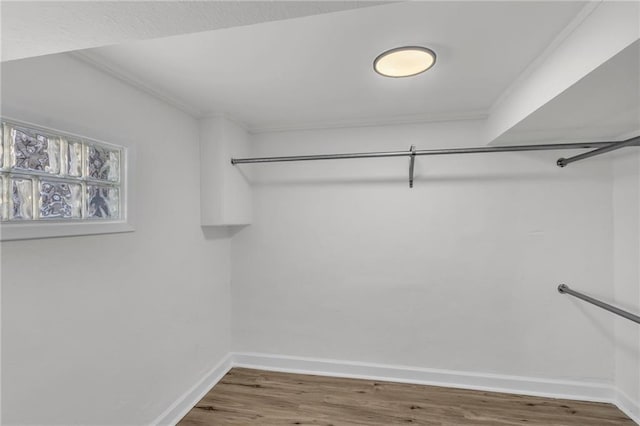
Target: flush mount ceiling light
404,61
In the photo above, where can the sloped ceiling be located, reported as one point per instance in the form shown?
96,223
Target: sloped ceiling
35,28
604,105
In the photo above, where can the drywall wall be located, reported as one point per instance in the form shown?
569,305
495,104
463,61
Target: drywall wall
626,254
225,192
343,261
112,329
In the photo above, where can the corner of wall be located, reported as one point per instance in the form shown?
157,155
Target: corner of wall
225,190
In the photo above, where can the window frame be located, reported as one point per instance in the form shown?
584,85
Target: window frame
49,228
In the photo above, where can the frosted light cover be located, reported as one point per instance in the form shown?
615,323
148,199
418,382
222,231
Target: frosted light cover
21,199
404,61
31,150
103,163
60,200
103,202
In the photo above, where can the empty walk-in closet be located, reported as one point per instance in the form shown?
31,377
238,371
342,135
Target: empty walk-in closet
320,213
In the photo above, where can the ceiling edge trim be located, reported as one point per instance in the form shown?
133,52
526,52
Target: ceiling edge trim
101,64
584,13
229,117
373,121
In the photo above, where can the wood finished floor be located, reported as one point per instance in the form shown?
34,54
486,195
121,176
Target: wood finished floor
255,397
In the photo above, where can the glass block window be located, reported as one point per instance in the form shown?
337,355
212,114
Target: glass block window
102,201
103,163
60,199
20,198
31,150
3,190
46,176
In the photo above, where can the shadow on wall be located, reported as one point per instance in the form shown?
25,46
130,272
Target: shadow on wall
593,316
364,180
221,232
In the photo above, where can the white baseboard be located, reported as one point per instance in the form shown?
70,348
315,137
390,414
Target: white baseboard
190,398
550,388
583,391
628,406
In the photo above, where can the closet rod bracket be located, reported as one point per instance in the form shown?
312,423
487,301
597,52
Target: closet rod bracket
412,163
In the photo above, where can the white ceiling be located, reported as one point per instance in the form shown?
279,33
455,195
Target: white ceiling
317,70
604,105
34,28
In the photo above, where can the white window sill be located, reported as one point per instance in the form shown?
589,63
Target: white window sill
34,230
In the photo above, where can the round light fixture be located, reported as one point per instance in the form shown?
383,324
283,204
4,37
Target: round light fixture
404,61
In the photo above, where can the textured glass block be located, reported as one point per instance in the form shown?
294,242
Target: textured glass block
73,158
103,163
33,151
21,199
2,133
103,202
60,200
3,204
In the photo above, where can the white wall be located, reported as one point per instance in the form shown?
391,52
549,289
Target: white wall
343,261
626,202
112,329
225,192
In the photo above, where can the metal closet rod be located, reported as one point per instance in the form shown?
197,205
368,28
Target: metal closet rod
601,148
562,288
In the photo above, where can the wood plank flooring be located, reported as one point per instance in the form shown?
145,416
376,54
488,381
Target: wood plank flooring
255,397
